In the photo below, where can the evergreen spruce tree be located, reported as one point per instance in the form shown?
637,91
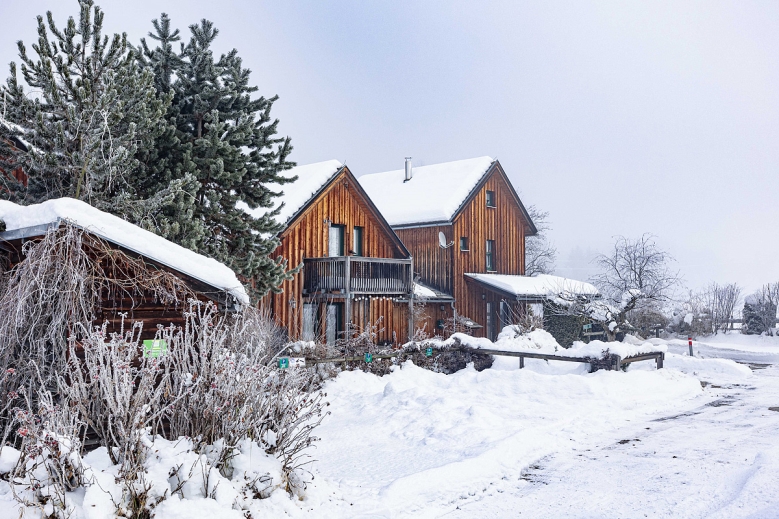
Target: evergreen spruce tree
226,139
90,118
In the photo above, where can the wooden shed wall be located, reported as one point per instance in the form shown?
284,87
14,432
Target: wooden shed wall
340,204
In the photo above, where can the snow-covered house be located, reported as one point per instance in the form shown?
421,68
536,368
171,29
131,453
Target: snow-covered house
205,277
465,227
355,273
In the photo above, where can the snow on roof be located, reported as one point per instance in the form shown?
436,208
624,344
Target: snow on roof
311,178
433,194
543,285
125,234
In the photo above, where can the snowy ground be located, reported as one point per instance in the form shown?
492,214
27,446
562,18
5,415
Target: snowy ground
694,440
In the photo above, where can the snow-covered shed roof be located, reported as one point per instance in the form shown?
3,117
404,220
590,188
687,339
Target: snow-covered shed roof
37,218
535,287
434,194
312,178
422,291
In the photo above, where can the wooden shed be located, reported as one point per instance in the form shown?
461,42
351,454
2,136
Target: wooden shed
205,278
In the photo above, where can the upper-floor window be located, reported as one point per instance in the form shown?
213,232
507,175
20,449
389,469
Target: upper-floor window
335,241
464,243
490,256
357,239
490,198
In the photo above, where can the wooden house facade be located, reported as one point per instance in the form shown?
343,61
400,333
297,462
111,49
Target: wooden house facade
459,218
355,272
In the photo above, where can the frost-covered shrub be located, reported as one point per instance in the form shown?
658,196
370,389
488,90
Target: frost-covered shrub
231,389
48,461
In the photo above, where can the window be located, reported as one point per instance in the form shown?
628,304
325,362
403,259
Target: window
463,243
490,321
334,322
505,314
490,257
335,241
310,322
490,198
357,241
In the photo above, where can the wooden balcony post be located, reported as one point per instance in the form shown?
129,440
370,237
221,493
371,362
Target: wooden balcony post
348,296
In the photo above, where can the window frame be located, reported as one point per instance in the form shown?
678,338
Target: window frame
341,231
464,241
490,199
489,256
358,240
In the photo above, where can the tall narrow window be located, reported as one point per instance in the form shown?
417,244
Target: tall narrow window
463,243
490,321
335,241
490,198
334,322
490,257
505,315
310,323
357,241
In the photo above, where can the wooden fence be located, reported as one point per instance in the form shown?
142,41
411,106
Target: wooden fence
611,362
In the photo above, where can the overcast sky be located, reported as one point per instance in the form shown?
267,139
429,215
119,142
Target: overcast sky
618,118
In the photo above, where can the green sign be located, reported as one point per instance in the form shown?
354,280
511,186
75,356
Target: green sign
429,352
283,362
153,348
369,357
587,327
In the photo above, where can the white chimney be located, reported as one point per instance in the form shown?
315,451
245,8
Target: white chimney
408,169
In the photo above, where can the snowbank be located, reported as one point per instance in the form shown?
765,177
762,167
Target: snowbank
190,487
541,341
418,440
123,233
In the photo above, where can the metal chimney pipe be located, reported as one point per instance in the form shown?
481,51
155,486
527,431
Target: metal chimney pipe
408,169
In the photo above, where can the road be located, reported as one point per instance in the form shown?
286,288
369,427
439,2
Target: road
720,460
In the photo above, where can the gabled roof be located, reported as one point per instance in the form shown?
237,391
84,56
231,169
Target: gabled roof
311,179
534,288
435,194
35,220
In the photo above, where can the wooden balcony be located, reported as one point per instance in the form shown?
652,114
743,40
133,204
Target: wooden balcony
357,275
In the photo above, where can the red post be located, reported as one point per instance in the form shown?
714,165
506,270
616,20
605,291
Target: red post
689,343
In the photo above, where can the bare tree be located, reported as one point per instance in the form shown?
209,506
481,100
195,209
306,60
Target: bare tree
540,254
636,274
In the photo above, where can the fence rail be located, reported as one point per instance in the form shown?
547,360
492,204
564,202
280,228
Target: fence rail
614,362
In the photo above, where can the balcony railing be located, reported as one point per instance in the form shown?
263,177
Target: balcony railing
357,275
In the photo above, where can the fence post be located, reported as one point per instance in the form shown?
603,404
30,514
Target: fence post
521,362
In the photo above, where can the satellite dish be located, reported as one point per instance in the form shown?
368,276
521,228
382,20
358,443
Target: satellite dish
442,241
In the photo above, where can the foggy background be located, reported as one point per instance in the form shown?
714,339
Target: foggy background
618,118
